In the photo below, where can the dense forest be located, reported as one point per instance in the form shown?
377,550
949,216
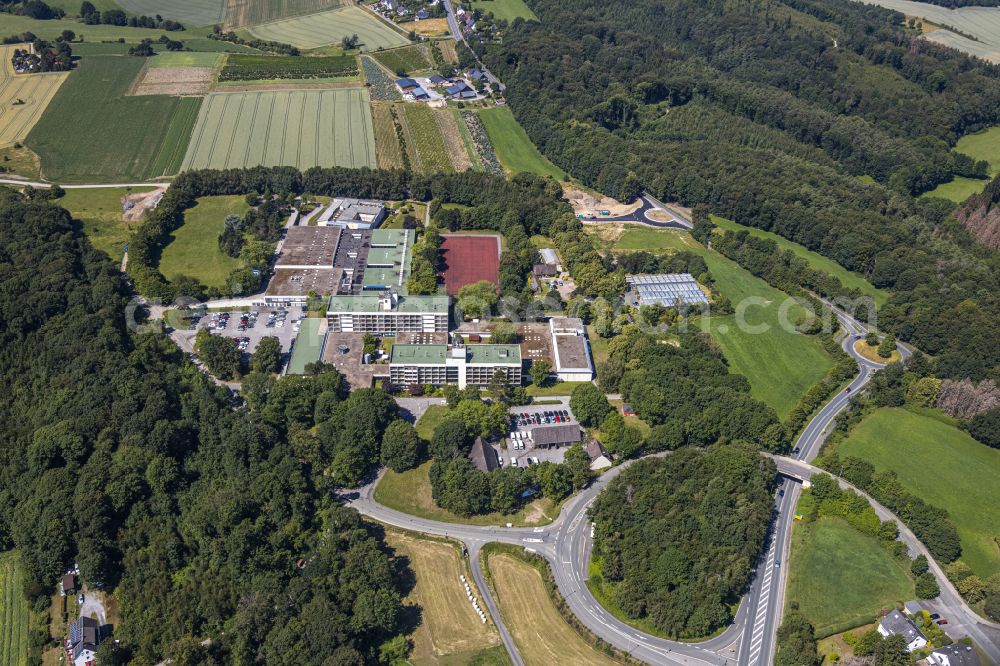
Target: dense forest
207,522
816,119
677,537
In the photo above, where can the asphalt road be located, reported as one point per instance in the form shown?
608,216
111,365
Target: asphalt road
750,640
641,215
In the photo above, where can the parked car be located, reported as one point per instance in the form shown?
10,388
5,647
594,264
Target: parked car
942,621
935,616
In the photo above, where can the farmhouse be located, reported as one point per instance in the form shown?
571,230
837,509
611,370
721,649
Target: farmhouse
85,636
353,214
437,79
668,290
570,350
956,654
464,365
407,84
895,623
457,89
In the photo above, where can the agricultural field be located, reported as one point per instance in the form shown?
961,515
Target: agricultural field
194,250
14,612
389,153
781,365
542,635
49,30
381,86
179,81
35,90
188,12
432,27
405,60
247,68
817,261
100,212
449,629
433,154
241,13
981,23
513,148
184,59
301,128
92,131
840,577
323,29
939,463
508,10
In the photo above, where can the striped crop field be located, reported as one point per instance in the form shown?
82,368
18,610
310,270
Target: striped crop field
300,128
35,90
316,30
979,26
241,13
189,12
433,153
13,613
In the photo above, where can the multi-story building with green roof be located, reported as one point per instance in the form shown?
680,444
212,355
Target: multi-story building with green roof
465,365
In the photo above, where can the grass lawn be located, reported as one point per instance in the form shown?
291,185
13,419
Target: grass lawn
514,149
552,388
14,612
508,10
841,577
410,492
449,626
92,131
20,161
434,415
100,211
871,353
939,463
817,261
780,364
542,635
194,251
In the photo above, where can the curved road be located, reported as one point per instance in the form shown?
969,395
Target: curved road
750,640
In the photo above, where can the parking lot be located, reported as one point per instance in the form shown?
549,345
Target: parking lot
268,322
519,446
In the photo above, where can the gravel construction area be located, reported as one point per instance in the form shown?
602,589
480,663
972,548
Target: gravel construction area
175,81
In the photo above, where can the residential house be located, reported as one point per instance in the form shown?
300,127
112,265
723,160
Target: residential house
599,458
422,14
897,624
956,654
85,636
407,84
67,585
483,456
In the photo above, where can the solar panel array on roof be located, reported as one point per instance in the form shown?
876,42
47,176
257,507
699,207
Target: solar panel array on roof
667,289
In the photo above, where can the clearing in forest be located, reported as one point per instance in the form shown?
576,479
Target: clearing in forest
325,28
300,128
23,98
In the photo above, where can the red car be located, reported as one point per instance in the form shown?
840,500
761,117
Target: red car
942,621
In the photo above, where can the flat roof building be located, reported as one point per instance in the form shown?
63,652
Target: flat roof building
464,365
668,290
353,214
570,350
388,313
309,247
306,263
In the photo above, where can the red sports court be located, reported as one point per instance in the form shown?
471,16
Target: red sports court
469,259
